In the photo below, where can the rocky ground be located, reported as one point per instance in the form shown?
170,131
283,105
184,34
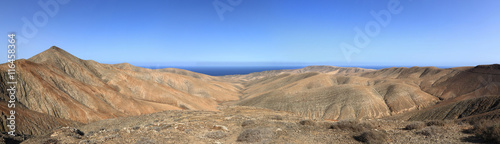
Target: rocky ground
238,124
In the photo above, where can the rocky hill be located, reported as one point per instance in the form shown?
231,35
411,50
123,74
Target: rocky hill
29,122
486,107
273,73
59,84
371,94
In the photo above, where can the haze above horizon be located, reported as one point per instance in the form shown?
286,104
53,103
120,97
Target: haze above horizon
259,32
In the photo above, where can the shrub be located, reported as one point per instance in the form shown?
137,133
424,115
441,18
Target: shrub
247,123
8,139
352,125
430,131
254,135
415,125
183,107
435,123
307,122
372,137
277,117
488,130
68,131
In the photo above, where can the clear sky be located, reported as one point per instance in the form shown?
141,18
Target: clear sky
257,32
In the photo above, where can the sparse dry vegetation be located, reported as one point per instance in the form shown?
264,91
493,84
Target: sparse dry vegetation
254,135
430,131
372,137
247,123
352,125
415,125
215,135
198,127
307,122
488,130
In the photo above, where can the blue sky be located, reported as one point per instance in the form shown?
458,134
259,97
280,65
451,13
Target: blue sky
259,32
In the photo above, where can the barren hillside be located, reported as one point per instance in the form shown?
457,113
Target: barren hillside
370,94
59,84
58,89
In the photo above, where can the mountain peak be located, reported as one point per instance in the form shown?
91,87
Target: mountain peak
55,48
53,53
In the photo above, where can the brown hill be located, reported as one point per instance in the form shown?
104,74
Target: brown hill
487,107
320,69
29,122
59,84
371,94
330,96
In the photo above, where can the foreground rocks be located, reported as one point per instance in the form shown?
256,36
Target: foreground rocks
236,124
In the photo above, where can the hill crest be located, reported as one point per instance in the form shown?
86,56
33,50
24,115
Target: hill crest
52,54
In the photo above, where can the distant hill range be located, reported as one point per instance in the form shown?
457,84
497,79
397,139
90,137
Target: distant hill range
56,89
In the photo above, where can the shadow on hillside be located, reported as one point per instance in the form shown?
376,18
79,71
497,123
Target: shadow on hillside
475,139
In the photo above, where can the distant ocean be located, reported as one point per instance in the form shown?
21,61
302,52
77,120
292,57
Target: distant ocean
229,70
242,70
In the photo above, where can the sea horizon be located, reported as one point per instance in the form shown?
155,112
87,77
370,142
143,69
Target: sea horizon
243,70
